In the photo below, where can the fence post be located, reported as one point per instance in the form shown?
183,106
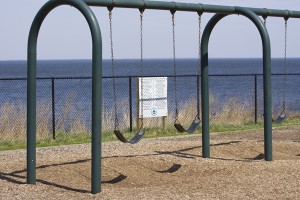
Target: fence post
255,98
164,122
130,103
198,98
53,107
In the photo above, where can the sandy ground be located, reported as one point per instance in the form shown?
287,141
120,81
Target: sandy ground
165,168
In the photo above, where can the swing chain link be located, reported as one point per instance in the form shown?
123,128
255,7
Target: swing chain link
141,38
142,67
265,21
285,62
174,65
199,63
199,43
113,69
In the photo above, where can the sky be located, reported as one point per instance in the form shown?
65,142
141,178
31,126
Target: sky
65,33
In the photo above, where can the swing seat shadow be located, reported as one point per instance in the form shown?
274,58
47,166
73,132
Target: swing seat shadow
118,179
172,169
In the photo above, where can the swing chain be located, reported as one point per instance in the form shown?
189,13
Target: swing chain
199,63
199,40
174,65
265,20
113,69
142,66
141,40
285,62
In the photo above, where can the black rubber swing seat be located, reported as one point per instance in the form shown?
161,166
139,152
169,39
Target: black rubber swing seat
138,136
193,127
280,119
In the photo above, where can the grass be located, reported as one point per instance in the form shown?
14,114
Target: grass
61,139
81,138
234,115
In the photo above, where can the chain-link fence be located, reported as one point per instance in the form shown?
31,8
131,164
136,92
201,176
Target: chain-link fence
64,104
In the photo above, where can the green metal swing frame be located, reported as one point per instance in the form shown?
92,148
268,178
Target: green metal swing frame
83,7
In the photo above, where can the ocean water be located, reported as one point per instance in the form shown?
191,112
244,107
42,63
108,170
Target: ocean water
152,67
229,79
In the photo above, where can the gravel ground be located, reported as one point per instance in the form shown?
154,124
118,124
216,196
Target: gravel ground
165,168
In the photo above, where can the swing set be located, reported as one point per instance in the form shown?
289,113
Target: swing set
221,12
140,133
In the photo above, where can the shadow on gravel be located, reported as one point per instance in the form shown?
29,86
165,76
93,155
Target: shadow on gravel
6,177
172,169
229,159
10,178
15,175
54,165
182,152
225,143
118,179
17,178
260,156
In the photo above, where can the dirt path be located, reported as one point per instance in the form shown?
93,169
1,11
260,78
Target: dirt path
165,168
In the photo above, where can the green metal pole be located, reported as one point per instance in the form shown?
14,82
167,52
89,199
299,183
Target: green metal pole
189,7
31,105
96,89
204,83
267,80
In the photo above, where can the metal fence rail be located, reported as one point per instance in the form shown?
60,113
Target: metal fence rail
64,103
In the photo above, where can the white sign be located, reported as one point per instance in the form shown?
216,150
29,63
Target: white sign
153,97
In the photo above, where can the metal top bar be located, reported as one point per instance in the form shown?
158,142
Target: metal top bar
192,7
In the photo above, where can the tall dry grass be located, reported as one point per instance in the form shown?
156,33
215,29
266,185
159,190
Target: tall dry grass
13,117
69,121
12,121
234,112
43,120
